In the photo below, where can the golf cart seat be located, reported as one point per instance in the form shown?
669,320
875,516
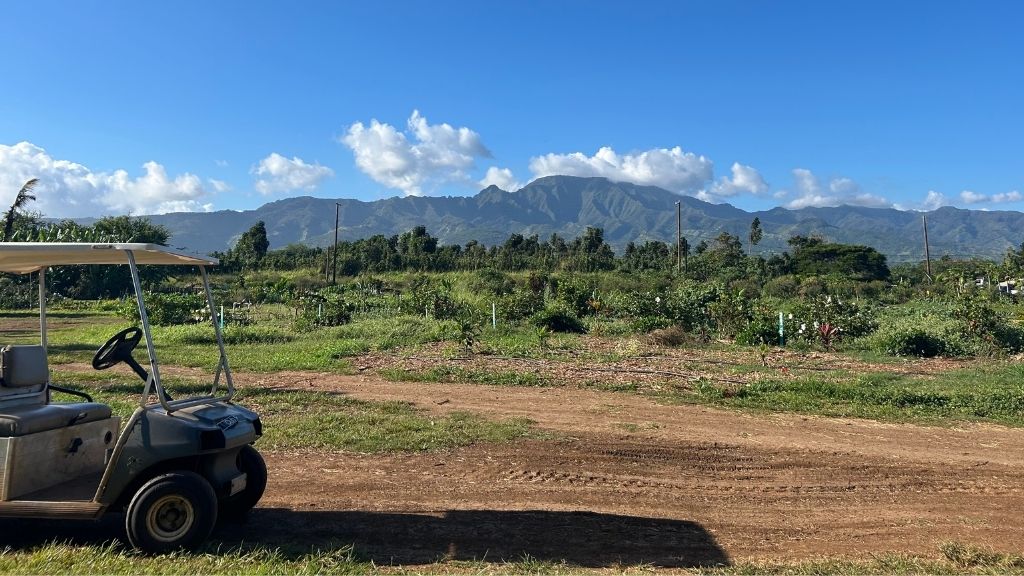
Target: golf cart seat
24,399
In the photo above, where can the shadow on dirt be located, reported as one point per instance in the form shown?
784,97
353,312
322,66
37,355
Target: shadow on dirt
585,539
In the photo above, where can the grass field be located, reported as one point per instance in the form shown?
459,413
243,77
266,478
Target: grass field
852,384
62,558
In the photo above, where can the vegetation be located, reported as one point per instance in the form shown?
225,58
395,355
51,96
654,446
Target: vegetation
111,558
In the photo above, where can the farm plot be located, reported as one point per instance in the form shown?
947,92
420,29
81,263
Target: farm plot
612,469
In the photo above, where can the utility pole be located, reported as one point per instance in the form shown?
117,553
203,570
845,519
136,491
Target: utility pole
927,252
679,236
334,263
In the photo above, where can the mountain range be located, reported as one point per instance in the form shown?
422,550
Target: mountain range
567,205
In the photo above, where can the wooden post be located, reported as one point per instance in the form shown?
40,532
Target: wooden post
679,236
927,252
334,265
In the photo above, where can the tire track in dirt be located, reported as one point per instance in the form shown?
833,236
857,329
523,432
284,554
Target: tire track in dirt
775,486
681,486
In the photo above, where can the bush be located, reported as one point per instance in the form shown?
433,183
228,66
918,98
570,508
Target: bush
781,287
850,319
518,305
558,319
327,308
576,294
763,328
167,309
913,341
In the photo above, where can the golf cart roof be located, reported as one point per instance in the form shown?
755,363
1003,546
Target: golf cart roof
26,257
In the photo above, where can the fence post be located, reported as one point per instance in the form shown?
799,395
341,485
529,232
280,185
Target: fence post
494,315
782,330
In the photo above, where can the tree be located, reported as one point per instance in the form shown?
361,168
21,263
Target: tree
24,197
252,246
755,233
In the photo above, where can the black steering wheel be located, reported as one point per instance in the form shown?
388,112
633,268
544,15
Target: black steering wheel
119,349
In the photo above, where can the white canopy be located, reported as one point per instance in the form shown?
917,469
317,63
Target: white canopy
26,257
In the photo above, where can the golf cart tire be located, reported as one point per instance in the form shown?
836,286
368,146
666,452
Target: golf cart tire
251,462
171,512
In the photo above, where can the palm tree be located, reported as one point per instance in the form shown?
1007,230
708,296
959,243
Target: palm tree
24,197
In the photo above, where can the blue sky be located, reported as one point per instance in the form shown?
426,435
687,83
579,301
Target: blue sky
148,107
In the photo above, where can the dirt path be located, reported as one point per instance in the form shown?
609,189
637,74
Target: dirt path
687,486
626,480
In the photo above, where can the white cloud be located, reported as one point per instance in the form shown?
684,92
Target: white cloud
219,186
1012,196
275,173
671,169
934,200
500,177
745,179
971,197
67,189
840,191
437,153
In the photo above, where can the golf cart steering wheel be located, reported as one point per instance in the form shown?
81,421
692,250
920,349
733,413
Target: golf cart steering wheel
119,349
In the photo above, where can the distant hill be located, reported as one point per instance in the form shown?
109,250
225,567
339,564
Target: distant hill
627,212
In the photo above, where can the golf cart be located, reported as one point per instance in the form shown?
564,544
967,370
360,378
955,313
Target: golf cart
175,465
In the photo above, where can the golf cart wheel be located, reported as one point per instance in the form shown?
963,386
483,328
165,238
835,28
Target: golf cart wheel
251,463
171,512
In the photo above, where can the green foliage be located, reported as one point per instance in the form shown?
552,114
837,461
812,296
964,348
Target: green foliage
848,318
250,249
519,305
812,256
558,319
325,308
167,309
577,294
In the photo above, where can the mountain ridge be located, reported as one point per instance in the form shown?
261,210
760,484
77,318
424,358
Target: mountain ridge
627,212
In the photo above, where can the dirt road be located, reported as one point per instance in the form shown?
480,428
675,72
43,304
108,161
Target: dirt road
627,480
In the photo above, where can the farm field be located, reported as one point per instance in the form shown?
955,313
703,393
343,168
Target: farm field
591,454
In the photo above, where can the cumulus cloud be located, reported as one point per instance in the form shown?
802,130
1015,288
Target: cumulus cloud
67,189
934,200
500,177
745,179
1012,196
423,155
810,191
971,197
275,173
671,169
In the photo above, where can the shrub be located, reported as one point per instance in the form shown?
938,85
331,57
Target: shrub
490,281
781,287
913,341
576,294
850,319
519,304
327,308
167,309
558,319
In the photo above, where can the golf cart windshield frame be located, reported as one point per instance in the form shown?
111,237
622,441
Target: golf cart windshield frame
77,254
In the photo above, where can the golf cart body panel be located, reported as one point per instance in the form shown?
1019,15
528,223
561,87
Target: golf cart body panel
196,437
173,464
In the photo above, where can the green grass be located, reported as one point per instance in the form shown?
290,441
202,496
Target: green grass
456,374
321,420
990,393
60,558
67,558
270,347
